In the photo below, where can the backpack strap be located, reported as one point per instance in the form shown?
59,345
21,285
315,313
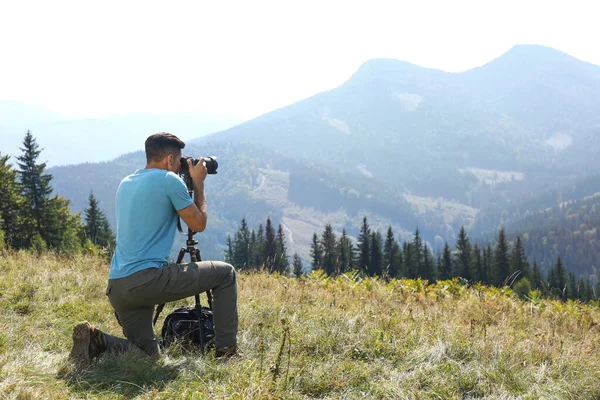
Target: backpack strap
158,311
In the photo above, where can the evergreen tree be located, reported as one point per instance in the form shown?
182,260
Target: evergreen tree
297,266
588,292
229,251
64,231
270,249
487,276
344,250
557,280
252,256
363,242
537,281
390,256
328,244
571,286
281,251
500,263
11,205
477,263
518,260
397,261
96,228
446,263
376,254
463,258
428,270
259,251
316,253
415,264
407,252
35,186
241,249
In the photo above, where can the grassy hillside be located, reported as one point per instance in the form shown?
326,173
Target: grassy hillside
348,339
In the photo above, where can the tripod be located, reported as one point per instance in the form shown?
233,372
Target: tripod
194,252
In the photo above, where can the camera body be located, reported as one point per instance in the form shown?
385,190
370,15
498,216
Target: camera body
210,162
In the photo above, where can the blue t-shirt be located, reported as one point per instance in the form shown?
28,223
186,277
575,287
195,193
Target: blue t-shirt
147,204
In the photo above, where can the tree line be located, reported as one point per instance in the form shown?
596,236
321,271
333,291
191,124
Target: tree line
32,218
261,249
498,264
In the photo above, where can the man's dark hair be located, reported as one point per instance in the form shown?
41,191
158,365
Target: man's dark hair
159,145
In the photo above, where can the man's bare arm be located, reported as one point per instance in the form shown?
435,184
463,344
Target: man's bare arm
195,215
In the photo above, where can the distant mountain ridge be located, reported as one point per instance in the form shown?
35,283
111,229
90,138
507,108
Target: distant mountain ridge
72,141
410,146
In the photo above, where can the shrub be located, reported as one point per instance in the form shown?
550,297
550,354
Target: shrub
522,288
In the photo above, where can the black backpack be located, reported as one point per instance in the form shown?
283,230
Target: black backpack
182,325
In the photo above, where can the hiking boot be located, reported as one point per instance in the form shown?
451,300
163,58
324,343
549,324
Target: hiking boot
88,342
226,352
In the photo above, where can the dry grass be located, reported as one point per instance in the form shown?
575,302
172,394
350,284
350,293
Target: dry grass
347,339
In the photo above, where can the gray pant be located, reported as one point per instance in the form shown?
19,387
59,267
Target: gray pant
134,298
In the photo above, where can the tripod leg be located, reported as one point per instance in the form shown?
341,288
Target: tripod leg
180,256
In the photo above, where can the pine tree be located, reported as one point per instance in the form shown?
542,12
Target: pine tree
589,293
463,258
518,260
64,231
500,263
270,247
407,253
537,281
281,251
376,254
241,249
328,244
397,261
96,228
477,263
316,253
390,268
252,250
571,286
363,241
428,269
416,259
487,277
259,251
446,263
297,266
344,250
557,280
35,186
229,251
11,205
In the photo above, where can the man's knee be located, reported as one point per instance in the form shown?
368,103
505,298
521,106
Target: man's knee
230,273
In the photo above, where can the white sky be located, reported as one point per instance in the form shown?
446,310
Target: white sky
244,58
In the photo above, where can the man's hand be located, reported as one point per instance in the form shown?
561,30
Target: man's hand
198,172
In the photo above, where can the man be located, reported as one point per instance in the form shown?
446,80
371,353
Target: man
147,205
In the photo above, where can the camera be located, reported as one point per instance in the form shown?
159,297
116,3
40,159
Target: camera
210,162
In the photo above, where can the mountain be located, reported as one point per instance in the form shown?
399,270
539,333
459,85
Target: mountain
71,141
15,113
407,146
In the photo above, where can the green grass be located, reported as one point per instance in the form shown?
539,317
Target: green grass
311,338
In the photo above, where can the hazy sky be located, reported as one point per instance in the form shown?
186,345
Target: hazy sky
95,58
